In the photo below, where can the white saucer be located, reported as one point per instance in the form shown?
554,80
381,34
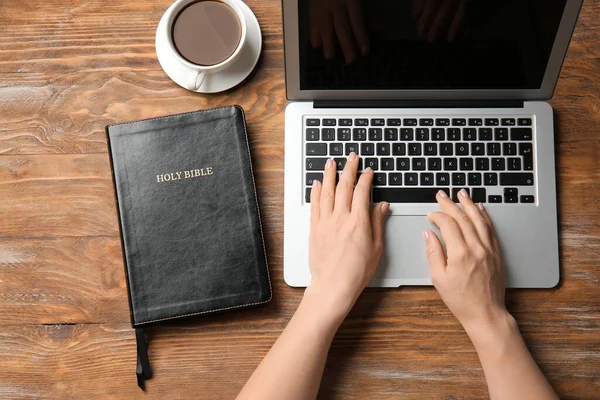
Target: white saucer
219,81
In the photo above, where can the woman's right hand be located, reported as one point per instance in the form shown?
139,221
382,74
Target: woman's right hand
470,275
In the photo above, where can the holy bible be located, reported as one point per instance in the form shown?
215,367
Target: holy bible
189,219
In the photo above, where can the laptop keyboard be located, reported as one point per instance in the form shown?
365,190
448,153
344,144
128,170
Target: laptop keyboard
414,158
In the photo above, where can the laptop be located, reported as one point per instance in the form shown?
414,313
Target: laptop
430,99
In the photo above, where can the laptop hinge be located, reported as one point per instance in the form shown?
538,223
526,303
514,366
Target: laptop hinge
418,104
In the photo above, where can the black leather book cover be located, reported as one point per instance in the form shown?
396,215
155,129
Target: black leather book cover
189,216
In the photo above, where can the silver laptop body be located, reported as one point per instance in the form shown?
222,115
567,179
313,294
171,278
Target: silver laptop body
498,142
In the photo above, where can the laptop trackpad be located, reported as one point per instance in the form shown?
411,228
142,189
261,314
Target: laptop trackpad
404,254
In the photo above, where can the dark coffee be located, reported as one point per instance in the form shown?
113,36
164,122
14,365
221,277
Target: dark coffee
206,32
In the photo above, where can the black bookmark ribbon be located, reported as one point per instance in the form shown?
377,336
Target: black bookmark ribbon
142,371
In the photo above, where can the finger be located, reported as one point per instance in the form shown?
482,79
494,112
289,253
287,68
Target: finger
315,36
377,220
344,35
464,222
328,189
326,29
435,253
315,202
429,12
442,19
449,227
357,22
491,229
477,219
457,21
345,187
418,6
361,199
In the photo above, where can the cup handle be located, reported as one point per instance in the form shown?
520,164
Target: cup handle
196,80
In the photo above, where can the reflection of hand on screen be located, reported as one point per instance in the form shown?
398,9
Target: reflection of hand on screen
439,18
342,19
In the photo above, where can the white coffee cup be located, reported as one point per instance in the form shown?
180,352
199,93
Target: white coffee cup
198,73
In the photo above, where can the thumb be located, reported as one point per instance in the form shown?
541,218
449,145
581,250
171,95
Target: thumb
435,253
377,220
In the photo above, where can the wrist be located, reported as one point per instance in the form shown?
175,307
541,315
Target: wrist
328,305
494,333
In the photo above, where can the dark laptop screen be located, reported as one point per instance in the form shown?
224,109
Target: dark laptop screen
426,44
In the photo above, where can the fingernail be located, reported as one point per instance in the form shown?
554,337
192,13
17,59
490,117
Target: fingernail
426,235
463,193
480,206
385,207
442,194
364,50
352,156
368,169
315,183
329,163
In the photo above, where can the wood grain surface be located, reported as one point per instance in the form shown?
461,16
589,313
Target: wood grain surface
70,67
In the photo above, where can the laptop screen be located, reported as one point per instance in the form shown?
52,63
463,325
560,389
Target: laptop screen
426,44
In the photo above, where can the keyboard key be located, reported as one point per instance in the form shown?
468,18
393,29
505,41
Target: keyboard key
367,149
511,191
402,164
411,179
511,199
312,134
375,133
509,149
406,134
524,121
446,149
485,133
328,134
329,122
434,164
352,147
414,149
455,193
479,195
361,122
315,164
521,134
438,134
459,179
475,121
379,179
462,149
345,122
394,122
516,179
418,164
383,149
494,199
442,122
387,164
508,122
482,164
527,199
307,195
454,134
410,122
498,164
474,179
492,121
514,164
312,176
430,149
390,134
442,179
399,149
450,164
344,134
395,179
426,179
493,149
407,195
426,122
377,122
469,134
313,122
372,163
336,149
526,150
422,134
501,134
466,164
340,163
477,149
490,179
459,122
316,149
359,134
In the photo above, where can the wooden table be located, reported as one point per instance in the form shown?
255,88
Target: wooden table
68,68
